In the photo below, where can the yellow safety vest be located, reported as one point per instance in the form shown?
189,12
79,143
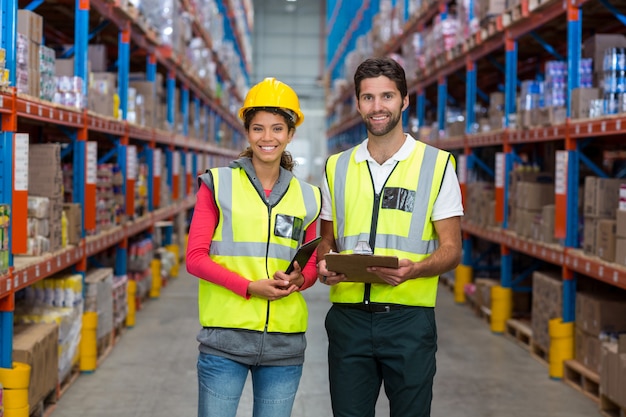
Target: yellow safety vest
399,217
255,240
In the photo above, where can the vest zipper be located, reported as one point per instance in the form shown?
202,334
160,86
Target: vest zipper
267,252
372,242
375,210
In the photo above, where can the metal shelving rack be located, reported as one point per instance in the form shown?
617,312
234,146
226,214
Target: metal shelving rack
504,38
184,155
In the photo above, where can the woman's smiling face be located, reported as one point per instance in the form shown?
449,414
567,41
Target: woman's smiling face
268,136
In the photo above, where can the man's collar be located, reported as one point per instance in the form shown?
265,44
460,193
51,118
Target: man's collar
363,154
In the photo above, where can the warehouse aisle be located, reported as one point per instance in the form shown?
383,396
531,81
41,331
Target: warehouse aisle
151,371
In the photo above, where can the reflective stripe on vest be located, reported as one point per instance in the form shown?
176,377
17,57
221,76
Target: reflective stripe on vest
240,245
403,227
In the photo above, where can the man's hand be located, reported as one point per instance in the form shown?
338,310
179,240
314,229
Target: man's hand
328,277
393,276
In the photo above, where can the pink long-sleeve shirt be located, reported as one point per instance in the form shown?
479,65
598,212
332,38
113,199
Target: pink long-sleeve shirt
201,231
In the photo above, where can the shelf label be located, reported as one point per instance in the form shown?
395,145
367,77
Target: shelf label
176,162
560,181
560,193
157,155
188,162
20,162
500,163
92,162
500,180
131,162
462,169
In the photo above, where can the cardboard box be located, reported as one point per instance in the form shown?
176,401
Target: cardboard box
37,345
597,313
605,239
30,24
97,56
534,195
548,215
613,372
587,350
99,298
547,304
101,103
620,251
589,235
103,82
555,116
64,67
74,222
620,219
594,47
601,196
581,100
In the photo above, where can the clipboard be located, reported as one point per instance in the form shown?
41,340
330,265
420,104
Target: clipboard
304,254
354,266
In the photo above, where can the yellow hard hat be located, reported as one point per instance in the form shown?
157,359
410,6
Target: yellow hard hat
272,93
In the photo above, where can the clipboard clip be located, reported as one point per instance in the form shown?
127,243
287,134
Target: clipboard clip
363,248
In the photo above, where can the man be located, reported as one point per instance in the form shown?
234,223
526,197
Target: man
402,197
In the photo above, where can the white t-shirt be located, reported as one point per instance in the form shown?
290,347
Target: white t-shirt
448,203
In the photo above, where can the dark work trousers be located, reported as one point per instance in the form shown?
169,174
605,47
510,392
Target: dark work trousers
365,349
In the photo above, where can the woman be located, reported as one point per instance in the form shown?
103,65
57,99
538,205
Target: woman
248,222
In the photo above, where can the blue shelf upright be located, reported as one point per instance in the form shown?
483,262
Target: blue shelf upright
9,126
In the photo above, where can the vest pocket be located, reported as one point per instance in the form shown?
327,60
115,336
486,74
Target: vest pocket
398,199
290,227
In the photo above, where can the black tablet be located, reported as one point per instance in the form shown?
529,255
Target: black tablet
304,254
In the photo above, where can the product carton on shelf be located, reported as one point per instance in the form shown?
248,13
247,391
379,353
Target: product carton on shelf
620,221
45,179
97,56
613,372
99,298
587,349
547,304
548,215
605,239
600,313
602,196
590,228
581,101
30,24
595,46
74,222
620,251
37,345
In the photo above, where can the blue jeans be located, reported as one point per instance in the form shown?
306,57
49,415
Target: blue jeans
221,382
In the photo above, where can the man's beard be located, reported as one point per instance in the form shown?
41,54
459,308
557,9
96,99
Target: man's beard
386,128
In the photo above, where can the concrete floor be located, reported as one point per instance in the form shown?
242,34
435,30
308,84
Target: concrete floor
151,370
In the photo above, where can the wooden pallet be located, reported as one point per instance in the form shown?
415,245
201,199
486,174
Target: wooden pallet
105,345
482,312
520,332
582,379
609,408
45,406
539,353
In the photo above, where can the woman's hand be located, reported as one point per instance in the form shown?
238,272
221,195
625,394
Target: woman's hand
271,289
295,278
